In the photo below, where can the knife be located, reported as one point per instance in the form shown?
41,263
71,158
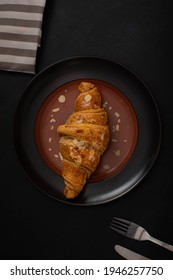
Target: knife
128,254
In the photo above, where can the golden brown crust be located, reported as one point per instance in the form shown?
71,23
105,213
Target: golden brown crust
73,173
83,139
93,116
81,153
96,135
89,97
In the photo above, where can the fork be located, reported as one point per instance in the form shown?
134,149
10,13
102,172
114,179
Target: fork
135,231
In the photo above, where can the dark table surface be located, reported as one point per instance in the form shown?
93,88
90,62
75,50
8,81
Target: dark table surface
136,33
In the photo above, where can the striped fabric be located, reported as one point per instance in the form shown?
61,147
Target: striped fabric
20,34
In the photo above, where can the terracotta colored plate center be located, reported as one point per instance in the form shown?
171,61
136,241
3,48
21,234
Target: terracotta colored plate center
122,124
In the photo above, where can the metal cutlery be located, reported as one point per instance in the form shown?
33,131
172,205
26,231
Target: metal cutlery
128,254
135,231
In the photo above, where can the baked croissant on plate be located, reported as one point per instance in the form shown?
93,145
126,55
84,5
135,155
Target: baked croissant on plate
83,139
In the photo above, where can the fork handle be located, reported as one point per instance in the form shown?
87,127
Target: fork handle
161,243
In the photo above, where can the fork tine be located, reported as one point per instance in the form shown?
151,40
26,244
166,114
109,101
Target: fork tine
120,225
121,231
122,222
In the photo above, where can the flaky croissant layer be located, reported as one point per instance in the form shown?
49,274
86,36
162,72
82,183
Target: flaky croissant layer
83,139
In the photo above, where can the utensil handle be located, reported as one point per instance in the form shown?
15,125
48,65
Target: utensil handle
161,243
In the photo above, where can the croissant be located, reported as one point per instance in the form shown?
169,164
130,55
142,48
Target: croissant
83,139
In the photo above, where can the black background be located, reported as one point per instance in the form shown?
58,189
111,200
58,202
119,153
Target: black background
136,33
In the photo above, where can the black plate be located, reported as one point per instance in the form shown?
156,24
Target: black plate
81,68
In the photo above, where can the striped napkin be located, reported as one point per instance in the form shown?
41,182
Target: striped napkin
20,34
